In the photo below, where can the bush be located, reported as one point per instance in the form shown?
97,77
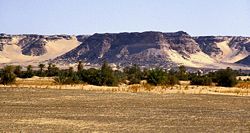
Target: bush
157,77
182,73
107,75
120,76
201,80
64,78
52,70
8,76
29,73
18,71
104,76
134,74
226,78
173,80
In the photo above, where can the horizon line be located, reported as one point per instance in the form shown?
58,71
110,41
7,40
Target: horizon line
90,34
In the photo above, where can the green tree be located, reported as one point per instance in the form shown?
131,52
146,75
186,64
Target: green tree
120,76
41,70
8,76
61,79
70,72
182,73
66,78
79,66
201,80
134,74
18,71
52,70
107,75
157,76
41,67
226,78
29,73
172,80
92,76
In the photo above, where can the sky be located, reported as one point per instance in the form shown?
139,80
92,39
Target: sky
196,17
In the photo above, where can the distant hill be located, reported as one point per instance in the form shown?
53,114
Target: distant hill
147,49
245,61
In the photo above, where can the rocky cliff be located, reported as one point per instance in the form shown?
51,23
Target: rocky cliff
245,61
146,49
30,48
126,48
225,49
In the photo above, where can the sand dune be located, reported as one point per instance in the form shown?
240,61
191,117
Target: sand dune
12,53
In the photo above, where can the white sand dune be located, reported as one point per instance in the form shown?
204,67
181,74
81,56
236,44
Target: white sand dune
199,59
224,47
230,55
12,53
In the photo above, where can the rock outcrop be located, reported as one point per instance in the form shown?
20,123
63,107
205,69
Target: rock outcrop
127,48
245,61
225,48
145,49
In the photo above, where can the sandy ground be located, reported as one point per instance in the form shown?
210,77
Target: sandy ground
75,110
40,105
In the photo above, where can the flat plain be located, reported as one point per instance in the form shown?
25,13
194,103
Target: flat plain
77,110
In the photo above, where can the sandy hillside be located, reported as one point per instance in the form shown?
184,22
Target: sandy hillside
13,54
231,55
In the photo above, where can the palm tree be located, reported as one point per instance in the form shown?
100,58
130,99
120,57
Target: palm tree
79,66
29,68
41,66
18,71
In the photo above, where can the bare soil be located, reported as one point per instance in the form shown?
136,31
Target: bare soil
54,110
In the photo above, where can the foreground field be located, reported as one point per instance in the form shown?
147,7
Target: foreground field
242,89
76,110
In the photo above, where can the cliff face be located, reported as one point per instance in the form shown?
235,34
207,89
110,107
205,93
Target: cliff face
20,49
245,61
32,45
125,48
225,49
145,49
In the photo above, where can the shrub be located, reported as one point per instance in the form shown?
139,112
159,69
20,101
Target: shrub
67,78
134,74
52,70
201,80
61,79
18,71
107,75
8,76
29,73
157,77
173,80
182,73
226,78
120,76
104,76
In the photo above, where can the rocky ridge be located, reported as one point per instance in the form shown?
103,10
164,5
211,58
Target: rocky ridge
145,49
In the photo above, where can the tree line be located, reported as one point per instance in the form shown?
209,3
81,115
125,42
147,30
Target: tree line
105,76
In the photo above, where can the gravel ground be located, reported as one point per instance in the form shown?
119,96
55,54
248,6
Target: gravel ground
47,110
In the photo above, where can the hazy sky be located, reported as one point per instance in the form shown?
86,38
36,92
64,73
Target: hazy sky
197,17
